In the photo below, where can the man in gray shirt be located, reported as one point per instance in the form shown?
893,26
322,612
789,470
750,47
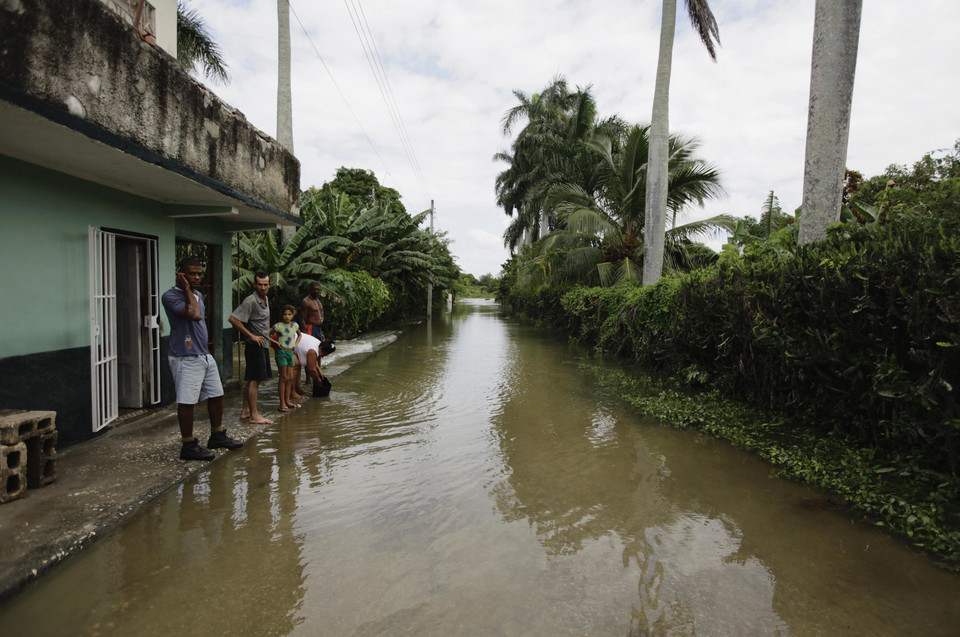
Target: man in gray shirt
252,319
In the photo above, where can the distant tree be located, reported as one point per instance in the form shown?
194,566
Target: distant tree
601,233
549,149
930,183
364,190
196,49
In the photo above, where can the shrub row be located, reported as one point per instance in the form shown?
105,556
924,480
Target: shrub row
858,334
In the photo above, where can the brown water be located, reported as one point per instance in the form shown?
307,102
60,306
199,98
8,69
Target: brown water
468,479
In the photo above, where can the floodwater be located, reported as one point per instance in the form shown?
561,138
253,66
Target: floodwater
468,479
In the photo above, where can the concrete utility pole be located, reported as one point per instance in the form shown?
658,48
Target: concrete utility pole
284,95
284,92
430,285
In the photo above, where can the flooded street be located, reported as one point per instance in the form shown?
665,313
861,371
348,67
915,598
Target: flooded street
467,479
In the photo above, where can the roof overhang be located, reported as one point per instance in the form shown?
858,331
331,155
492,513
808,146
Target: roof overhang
39,134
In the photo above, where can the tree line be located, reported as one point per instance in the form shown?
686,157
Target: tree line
371,258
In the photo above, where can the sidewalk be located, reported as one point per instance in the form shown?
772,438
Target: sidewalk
102,481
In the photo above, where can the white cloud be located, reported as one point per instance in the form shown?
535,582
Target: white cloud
453,65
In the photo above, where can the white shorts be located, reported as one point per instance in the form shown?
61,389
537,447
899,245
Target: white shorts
196,378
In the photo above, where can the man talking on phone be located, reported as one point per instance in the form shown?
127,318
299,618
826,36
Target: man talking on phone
195,372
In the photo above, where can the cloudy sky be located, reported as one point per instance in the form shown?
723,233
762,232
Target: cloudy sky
452,66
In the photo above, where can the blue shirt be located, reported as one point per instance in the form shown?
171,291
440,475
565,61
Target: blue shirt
187,337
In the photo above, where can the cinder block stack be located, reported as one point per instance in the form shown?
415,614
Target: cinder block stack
28,452
13,471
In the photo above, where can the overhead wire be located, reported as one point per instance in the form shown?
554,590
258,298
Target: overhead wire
339,90
372,53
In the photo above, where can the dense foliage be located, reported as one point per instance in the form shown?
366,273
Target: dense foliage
370,257
859,333
577,185
371,298
853,341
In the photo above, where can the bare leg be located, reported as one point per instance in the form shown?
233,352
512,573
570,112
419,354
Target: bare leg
282,388
250,397
245,409
185,419
290,371
297,388
215,411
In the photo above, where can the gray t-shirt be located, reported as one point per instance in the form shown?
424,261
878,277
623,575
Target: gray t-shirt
255,317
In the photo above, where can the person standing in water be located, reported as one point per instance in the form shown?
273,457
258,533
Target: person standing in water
284,336
311,312
252,319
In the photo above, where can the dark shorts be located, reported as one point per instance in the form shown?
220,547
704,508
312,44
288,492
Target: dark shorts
258,362
315,331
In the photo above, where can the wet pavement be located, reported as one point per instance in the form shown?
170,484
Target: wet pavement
102,481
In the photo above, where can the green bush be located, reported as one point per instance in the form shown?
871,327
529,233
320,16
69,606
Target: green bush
366,303
858,334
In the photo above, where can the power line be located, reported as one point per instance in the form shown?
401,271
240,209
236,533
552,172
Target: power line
337,86
372,53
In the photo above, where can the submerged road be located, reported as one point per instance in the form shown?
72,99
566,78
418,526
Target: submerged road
467,478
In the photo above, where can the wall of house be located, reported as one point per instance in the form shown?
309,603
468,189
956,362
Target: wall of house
105,75
45,343
45,247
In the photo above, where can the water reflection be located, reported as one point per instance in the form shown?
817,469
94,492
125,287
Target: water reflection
218,554
467,479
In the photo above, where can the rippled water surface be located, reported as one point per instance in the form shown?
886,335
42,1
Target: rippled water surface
465,478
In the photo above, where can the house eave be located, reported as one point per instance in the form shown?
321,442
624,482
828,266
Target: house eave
121,113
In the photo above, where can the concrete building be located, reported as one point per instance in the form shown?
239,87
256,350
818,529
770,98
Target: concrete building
113,162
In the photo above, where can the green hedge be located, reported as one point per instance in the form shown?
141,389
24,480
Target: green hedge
857,334
366,303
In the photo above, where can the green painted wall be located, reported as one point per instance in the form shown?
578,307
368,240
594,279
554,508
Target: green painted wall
44,252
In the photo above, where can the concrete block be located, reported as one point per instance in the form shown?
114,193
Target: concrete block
41,459
13,465
19,426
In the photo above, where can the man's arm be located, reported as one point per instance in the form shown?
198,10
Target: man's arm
240,327
191,309
313,366
304,312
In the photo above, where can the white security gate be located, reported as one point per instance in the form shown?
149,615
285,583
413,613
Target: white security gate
103,327
151,322
141,327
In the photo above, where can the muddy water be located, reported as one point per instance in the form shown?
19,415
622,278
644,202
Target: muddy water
467,479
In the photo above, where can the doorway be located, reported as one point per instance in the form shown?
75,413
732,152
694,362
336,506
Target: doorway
124,329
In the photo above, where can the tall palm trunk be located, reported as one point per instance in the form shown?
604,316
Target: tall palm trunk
284,93
836,32
655,204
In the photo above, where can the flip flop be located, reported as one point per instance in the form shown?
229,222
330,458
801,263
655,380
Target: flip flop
283,409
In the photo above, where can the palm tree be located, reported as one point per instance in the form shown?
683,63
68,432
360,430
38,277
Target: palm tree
601,234
657,181
195,45
836,33
548,150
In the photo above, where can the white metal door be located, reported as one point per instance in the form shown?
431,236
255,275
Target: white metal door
103,321
151,321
